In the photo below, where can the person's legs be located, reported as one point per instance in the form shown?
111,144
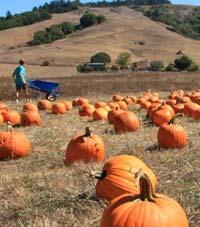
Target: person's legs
18,89
26,92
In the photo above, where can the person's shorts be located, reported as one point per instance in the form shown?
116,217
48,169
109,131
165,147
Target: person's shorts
20,87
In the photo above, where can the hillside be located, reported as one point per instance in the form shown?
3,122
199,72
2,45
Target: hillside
123,28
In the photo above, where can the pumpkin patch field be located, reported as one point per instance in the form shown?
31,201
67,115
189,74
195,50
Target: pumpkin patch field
101,160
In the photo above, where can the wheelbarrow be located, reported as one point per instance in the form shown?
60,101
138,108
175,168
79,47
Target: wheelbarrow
51,89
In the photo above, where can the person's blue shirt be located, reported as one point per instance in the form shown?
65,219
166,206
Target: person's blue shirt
19,80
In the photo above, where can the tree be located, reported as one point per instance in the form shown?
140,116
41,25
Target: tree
88,19
101,57
67,28
56,32
124,59
194,67
100,19
39,37
170,68
156,65
183,63
8,15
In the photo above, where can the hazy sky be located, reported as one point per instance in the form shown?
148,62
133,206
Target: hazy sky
26,5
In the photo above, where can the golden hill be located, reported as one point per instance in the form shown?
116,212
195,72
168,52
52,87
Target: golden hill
120,33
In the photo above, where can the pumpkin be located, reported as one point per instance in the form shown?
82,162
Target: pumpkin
117,177
126,121
113,105
68,105
59,108
86,110
106,107
4,114
189,108
117,98
144,210
100,114
99,104
128,100
113,113
30,107
14,118
171,102
29,118
152,108
44,105
122,105
1,119
178,108
81,101
3,106
196,114
171,135
13,144
86,148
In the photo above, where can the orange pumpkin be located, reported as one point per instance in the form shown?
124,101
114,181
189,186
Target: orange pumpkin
99,104
113,105
14,118
113,113
59,108
3,106
5,114
117,98
128,100
171,135
122,105
145,210
30,107
100,114
189,108
1,119
13,145
107,108
68,105
81,101
86,110
196,114
29,118
126,121
85,148
117,177
44,105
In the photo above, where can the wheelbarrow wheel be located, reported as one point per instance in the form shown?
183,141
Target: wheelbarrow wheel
51,97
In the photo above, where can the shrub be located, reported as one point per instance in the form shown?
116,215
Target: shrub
88,19
183,63
123,59
101,57
56,32
156,65
84,68
194,67
67,28
100,19
170,68
115,68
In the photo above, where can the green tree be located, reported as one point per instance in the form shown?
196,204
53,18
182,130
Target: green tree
101,19
56,32
156,65
170,67
194,67
88,19
67,28
39,37
101,57
124,59
183,63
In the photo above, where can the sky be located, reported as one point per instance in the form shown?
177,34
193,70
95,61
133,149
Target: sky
27,5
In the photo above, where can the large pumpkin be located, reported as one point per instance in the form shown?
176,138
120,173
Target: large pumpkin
117,177
126,121
113,113
86,147
99,104
59,108
13,145
3,106
5,114
29,118
30,107
144,210
68,105
1,119
44,105
171,135
122,105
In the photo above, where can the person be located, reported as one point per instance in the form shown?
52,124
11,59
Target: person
19,76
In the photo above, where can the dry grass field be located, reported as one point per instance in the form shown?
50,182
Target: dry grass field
120,33
40,190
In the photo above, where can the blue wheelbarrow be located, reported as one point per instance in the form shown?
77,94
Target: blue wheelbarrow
51,89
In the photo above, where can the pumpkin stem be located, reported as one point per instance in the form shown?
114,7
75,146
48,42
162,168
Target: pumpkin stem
87,132
174,117
146,189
